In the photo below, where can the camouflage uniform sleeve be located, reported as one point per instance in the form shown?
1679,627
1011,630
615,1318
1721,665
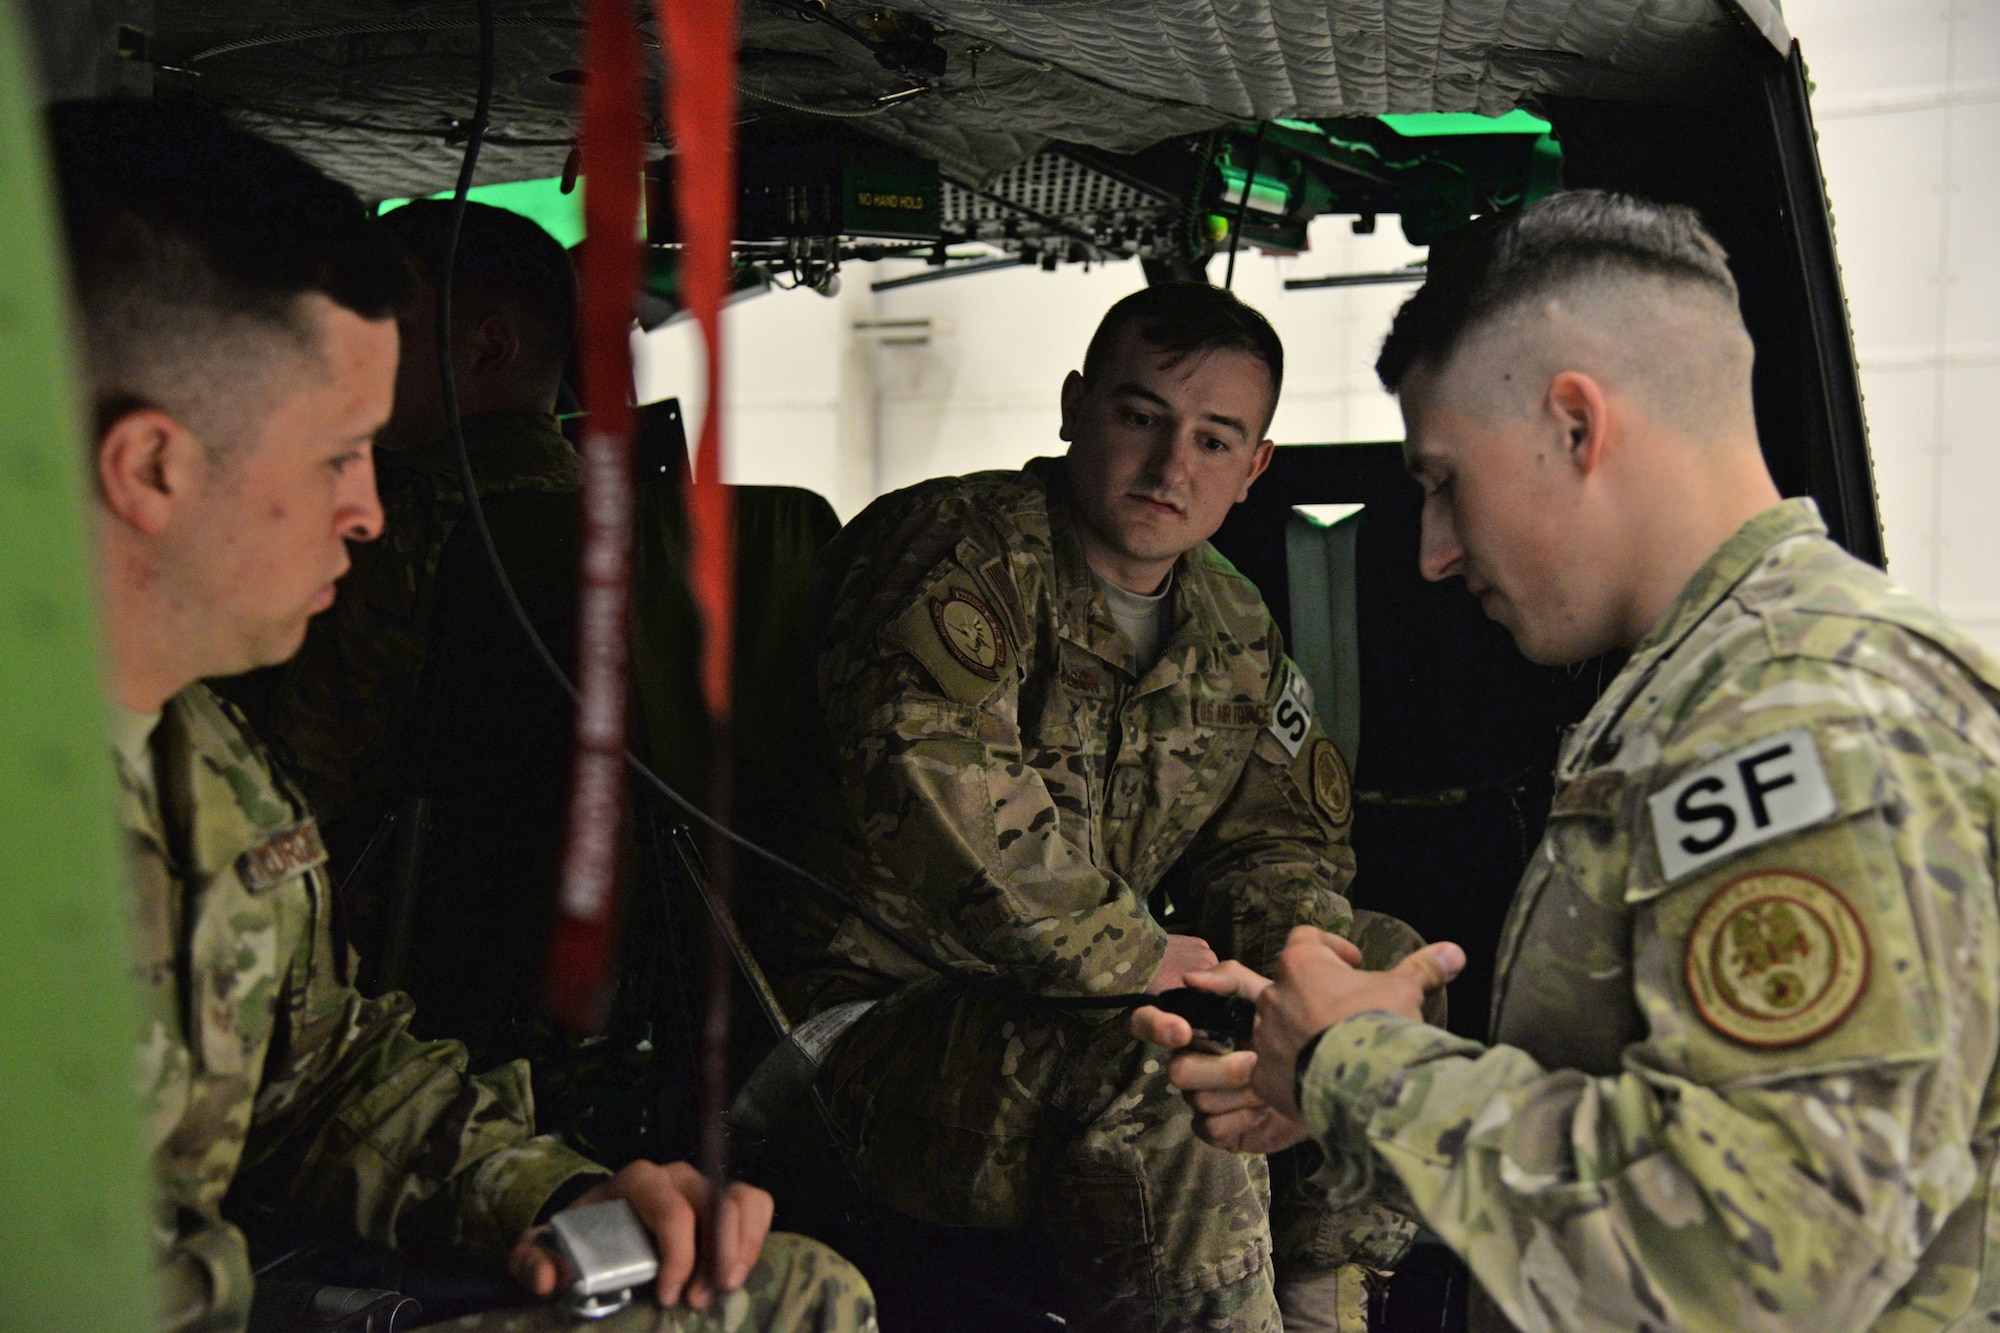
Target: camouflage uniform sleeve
1797,1127
392,1136
922,718
1276,855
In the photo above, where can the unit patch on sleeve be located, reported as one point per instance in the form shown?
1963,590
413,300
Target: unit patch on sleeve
1333,791
1292,714
1776,958
970,633
286,853
1749,796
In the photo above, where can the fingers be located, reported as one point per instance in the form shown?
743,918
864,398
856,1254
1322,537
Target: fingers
1230,978
1211,1073
1349,951
1161,1028
671,1210
746,1221
537,1270
1231,1128
1433,966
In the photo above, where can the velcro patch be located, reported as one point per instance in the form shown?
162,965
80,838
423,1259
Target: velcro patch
1292,714
1333,790
1213,713
282,856
1777,958
1747,797
970,632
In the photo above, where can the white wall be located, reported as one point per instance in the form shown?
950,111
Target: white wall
1907,101
866,392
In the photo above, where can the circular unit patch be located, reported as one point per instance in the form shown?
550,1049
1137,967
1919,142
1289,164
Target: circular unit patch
1776,958
1332,788
967,628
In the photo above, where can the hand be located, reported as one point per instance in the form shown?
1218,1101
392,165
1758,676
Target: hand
1227,1112
1185,954
1316,986
672,1201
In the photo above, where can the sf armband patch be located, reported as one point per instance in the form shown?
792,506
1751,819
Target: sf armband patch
970,632
283,855
1749,796
1292,714
1333,790
1777,958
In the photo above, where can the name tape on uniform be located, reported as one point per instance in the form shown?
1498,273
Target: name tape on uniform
1749,796
1292,715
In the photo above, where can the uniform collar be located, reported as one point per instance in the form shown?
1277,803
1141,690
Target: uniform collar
1698,598
1722,571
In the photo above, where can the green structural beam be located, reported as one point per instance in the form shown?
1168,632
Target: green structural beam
74,1179
540,201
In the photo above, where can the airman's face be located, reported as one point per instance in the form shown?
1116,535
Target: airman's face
268,532
1161,448
1501,512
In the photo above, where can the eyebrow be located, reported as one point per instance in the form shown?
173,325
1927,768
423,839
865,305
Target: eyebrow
1131,390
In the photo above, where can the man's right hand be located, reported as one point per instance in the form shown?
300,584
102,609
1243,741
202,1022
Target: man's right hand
1185,954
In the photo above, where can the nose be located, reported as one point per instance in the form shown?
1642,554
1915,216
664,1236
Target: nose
1439,554
359,518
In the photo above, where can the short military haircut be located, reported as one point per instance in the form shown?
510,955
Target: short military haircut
1500,262
1185,318
191,243
503,259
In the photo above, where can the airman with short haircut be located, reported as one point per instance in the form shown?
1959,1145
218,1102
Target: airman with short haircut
1742,1072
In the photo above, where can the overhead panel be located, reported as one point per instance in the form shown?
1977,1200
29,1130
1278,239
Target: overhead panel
376,96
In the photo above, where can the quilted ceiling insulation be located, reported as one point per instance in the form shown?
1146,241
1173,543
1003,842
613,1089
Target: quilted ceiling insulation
373,90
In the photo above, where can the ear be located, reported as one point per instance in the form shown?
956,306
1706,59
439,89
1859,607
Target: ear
1259,460
148,463
1072,404
495,345
1577,403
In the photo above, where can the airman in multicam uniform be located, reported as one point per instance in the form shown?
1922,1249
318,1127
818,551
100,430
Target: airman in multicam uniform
341,714
237,308
1744,1041
1015,772
255,1047
1743,1067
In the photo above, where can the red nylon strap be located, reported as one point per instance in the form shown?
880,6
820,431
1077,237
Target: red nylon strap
583,946
701,108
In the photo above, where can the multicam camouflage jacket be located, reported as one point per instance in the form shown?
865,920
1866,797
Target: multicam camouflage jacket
1005,787
254,1046
339,706
1745,1030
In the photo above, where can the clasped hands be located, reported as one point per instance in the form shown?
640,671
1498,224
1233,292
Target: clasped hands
1247,1101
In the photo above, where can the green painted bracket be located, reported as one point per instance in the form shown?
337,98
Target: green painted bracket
75,1184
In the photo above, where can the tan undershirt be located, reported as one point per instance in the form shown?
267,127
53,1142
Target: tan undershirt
1145,621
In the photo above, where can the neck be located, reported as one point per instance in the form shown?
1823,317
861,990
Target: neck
139,633
1687,517
1144,577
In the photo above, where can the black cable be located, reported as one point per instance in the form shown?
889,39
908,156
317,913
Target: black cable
1243,205
455,428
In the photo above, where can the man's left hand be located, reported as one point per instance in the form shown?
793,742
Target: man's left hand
672,1202
1315,986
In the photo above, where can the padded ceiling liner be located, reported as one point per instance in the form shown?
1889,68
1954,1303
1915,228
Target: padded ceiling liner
369,89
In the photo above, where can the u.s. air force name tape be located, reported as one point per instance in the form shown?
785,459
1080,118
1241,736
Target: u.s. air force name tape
1747,797
1292,714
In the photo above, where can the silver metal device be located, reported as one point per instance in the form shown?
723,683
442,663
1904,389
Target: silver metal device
611,1252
